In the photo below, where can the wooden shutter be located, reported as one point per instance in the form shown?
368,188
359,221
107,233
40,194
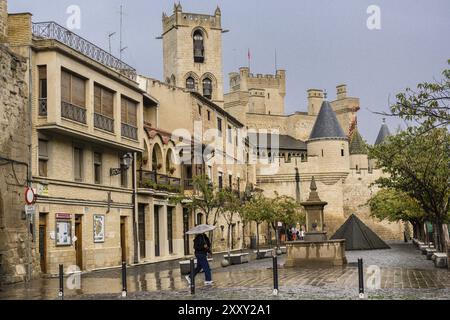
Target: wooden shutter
65,87
97,99
78,92
108,103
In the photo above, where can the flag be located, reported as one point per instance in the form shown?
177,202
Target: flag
249,55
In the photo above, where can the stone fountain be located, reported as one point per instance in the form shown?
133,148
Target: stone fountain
315,249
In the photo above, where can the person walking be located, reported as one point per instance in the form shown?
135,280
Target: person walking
202,246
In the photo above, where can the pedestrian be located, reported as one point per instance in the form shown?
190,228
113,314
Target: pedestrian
202,246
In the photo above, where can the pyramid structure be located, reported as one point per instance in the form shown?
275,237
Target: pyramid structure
358,236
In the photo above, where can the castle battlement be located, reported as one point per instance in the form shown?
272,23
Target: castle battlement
180,18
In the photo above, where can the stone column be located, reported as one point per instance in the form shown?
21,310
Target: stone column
3,21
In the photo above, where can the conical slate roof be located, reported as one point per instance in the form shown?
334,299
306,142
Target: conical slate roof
357,144
327,125
358,236
383,135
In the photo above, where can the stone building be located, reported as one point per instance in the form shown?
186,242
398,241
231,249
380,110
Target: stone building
17,256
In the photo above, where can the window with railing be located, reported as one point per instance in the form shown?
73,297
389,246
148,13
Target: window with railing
42,72
73,97
103,108
129,118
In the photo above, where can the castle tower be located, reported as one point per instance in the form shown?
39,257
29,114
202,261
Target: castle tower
383,134
328,143
315,100
192,45
358,152
3,21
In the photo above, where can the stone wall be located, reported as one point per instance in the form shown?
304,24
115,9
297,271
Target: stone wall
13,145
3,21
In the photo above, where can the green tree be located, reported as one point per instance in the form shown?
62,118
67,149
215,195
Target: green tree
417,163
428,105
394,206
231,206
258,209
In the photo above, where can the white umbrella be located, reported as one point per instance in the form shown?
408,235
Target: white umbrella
200,229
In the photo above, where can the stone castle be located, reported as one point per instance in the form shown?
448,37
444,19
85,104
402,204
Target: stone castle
97,141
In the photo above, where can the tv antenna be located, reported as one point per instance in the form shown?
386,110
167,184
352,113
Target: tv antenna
121,49
109,40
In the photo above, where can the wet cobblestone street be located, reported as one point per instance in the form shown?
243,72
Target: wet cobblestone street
405,274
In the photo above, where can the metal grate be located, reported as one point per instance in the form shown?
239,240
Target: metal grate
72,112
52,30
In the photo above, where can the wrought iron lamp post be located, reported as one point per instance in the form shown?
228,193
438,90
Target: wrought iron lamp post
127,160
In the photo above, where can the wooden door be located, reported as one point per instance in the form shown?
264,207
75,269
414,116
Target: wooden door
79,242
123,238
43,246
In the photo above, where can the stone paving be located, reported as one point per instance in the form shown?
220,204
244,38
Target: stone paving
405,274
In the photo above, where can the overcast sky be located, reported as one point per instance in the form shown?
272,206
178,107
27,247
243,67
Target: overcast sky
320,43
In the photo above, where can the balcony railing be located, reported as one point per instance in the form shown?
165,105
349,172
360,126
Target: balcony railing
103,122
129,131
52,30
188,184
157,181
42,106
72,112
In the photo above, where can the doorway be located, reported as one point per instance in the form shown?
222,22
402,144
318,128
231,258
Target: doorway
157,232
141,222
186,229
123,238
43,242
79,242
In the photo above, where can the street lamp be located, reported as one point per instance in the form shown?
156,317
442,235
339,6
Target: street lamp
127,160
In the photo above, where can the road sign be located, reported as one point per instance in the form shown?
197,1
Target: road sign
30,210
30,197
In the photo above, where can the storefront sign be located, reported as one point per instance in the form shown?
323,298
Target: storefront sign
64,216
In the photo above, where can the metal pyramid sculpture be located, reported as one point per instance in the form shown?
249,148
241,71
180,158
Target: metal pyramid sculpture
358,236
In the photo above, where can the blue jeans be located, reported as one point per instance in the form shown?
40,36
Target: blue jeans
202,263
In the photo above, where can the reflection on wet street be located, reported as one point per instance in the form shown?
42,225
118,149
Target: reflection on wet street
402,268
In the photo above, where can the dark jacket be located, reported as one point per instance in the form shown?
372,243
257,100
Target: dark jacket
202,244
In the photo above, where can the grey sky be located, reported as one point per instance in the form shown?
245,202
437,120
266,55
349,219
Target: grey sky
320,43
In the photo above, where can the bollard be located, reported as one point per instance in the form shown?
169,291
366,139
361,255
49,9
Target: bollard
192,276
275,275
361,278
61,282
124,280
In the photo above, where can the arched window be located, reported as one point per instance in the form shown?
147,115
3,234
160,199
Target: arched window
190,83
207,88
199,48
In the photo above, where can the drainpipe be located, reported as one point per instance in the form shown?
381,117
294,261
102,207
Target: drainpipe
135,208
29,221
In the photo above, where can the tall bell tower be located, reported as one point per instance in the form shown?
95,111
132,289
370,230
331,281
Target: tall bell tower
192,45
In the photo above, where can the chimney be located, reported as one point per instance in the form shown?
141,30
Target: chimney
315,100
341,91
3,21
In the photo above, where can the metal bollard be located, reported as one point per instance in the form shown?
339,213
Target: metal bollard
361,278
61,282
275,275
124,280
192,276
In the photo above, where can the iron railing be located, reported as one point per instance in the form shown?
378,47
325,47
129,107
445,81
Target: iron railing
42,106
72,112
52,30
157,181
129,131
103,122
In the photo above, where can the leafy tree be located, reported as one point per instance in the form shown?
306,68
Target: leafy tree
429,105
257,209
231,206
417,163
395,206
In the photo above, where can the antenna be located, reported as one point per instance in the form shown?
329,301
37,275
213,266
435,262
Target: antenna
325,94
276,62
121,49
109,40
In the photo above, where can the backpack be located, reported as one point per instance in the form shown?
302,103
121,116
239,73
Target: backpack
200,244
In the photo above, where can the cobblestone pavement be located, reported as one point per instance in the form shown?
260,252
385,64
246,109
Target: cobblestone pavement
405,274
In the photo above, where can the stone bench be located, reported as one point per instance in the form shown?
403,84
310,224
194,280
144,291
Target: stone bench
430,252
185,266
423,249
237,258
283,250
264,254
440,260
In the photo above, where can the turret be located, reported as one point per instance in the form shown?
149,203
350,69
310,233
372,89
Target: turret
358,152
328,144
315,100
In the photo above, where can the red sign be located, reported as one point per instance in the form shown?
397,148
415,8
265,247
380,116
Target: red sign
30,197
65,216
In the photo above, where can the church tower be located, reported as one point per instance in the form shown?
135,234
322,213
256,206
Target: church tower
192,45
